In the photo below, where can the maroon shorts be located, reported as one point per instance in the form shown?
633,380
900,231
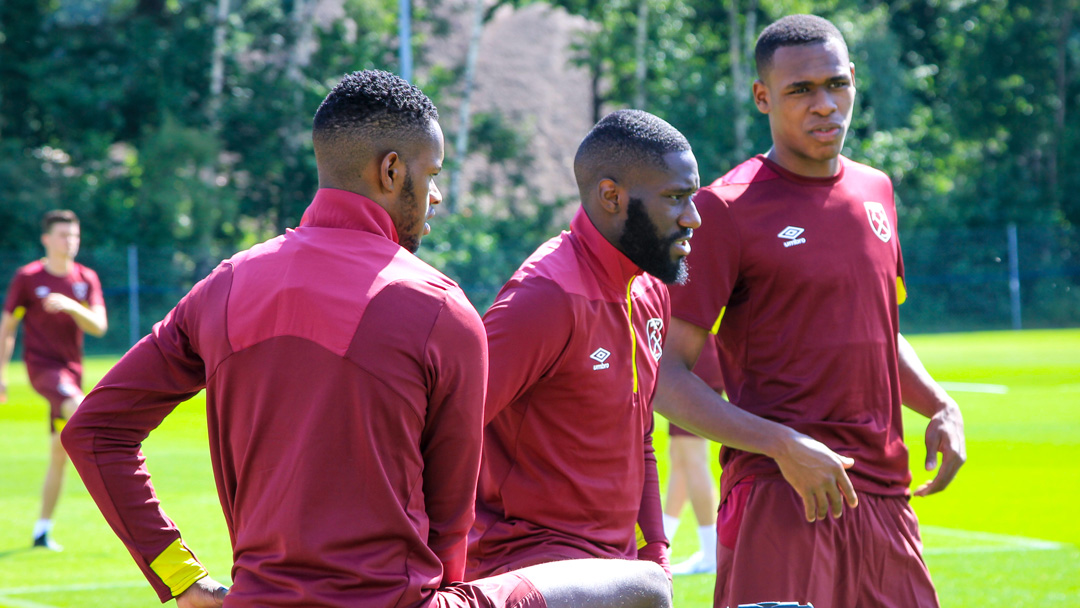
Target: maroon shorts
675,430
57,384
508,590
768,552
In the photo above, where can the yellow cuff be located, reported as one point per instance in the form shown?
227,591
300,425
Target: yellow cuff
178,568
640,535
901,291
19,312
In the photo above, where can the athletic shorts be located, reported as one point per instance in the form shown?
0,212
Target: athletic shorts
768,552
55,384
508,590
675,430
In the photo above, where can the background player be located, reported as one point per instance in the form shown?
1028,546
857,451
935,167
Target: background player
799,272
59,299
345,382
576,337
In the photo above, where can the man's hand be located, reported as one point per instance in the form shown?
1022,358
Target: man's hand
58,302
945,434
205,593
819,476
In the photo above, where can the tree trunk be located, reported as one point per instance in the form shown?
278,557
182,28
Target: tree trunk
1062,85
295,130
738,79
640,68
461,140
217,65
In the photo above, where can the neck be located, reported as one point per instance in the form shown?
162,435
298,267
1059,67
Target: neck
826,168
58,265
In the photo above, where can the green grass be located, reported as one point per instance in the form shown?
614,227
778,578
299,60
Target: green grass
1005,534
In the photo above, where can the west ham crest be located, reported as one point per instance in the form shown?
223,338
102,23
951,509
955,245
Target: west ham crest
656,338
80,290
879,221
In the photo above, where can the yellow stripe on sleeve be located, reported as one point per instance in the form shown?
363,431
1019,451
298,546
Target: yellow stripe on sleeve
640,536
901,291
19,313
716,326
178,568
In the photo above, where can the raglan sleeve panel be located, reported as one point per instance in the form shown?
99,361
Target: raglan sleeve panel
528,328
457,360
104,437
714,265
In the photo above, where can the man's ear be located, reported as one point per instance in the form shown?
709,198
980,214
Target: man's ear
761,97
391,172
612,196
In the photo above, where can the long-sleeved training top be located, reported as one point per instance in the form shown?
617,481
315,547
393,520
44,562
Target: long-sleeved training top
575,339
344,384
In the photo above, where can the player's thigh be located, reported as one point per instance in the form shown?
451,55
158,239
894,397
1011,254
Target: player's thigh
768,552
895,574
596,583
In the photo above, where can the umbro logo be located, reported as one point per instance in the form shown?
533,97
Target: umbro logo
600,356
791,236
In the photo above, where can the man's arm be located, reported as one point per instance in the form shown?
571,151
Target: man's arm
945,432
8,326
453,432
816,472
104,440
91,320
652,545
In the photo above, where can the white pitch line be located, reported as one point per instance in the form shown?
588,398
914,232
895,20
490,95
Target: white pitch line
74,587
1001,542
975,387
10,602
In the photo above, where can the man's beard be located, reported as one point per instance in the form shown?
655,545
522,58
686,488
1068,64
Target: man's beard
641,243
411,215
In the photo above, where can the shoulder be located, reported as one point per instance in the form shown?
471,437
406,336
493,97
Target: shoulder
865,174
86,273
31,269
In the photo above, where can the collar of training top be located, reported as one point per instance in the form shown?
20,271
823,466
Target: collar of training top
333,208
610,262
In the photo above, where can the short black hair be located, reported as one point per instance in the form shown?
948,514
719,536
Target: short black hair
793,30
623,141
57,216
373,104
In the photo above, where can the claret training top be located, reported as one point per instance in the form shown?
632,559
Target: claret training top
800,278
575,339
344,393
51,341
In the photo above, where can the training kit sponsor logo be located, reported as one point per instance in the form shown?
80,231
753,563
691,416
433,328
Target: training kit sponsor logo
879,220
80,290
41,291
791,236
600,355
656,337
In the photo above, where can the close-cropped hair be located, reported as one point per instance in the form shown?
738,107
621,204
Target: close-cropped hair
373,104
793,30
57,216
623,141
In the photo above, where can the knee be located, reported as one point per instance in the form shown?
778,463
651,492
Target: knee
654,586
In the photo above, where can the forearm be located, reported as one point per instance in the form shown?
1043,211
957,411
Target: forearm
650,513
689,402
92,321
918,390
8,325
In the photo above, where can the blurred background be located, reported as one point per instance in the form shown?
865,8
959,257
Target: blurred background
179,130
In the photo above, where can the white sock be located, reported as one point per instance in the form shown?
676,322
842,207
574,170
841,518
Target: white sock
707,538
671,525
43,526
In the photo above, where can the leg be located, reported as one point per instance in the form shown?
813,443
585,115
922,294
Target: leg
54,477
601,583
676,490
700,486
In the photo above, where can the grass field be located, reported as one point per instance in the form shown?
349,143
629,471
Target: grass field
1006,534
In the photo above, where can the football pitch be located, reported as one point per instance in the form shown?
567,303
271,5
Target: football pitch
1006,534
